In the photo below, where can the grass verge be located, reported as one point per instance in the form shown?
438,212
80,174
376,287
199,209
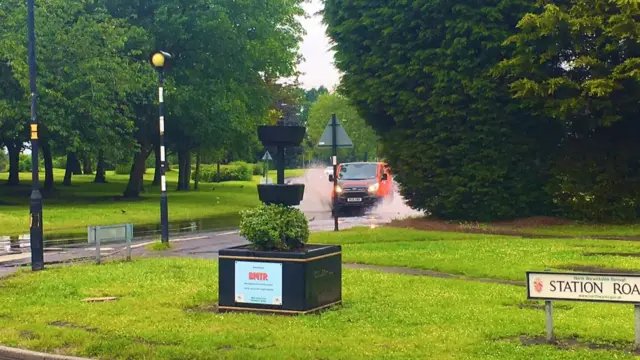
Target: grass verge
158,246
166,310
69,210
476,255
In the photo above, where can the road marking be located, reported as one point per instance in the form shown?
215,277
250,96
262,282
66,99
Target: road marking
227,233
4,258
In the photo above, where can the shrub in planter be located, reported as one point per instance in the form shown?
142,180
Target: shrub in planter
278,271
274,227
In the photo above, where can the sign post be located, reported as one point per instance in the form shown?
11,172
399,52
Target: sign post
597,287
265,167
335,136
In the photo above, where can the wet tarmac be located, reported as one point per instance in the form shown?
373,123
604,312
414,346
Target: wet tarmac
317,200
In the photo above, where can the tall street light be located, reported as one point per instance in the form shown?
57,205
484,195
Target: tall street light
158,60
35,206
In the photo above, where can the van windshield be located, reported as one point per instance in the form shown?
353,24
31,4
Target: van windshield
358,171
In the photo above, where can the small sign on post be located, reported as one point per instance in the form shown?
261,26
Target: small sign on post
592,287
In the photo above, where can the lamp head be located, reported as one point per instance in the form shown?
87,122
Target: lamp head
159,58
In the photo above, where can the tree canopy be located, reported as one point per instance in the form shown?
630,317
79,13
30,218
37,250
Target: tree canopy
98,93
493,110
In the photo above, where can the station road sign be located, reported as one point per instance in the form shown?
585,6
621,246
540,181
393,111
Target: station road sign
342,139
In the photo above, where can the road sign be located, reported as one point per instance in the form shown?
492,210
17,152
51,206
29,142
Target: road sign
267,156
342,139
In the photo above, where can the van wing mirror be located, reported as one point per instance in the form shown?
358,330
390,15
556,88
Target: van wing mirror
330,177
384,177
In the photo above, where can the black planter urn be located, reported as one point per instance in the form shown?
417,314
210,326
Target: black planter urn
283,194
282,282
281,136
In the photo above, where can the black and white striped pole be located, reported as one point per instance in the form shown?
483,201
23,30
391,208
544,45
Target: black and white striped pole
158,60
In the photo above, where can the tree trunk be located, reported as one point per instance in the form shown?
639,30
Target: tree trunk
158,169
77,166
72,162
87,167
100,173
14,164
197,181
48,166
184,170
218,171
135,185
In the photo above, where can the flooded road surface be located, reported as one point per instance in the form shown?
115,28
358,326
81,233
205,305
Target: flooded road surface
316,204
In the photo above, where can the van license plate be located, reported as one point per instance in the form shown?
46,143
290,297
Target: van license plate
354,199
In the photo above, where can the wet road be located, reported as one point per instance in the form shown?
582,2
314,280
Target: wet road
316,205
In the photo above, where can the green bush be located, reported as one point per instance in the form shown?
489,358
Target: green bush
231,172
123,169
4,161
274,227
257,169
60,162
24,163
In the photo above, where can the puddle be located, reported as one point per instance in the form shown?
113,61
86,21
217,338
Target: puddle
14,243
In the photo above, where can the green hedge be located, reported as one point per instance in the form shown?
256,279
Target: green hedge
236,171
123,169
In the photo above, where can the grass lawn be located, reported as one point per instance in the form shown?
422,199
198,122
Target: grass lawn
166,306
477,255
69,210
164,312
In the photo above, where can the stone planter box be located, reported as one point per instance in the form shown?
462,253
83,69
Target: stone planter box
282,282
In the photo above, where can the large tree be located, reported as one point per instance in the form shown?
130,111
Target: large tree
224,52
419,74
579,62
84,74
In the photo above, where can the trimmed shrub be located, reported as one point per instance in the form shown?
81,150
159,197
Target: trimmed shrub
274,227
123,169
231,172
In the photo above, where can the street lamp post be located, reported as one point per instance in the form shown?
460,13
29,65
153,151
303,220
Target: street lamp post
35,206
158,60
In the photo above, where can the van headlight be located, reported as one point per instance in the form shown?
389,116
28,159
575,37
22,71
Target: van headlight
373,188
338,189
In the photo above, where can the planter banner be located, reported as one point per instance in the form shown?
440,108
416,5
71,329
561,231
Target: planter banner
258,283
622,288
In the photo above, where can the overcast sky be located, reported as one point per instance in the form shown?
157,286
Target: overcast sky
317,67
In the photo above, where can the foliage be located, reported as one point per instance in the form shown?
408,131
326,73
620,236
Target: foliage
362,135
420,75
274,227
125,169
231,172
60,162
579,62
4,160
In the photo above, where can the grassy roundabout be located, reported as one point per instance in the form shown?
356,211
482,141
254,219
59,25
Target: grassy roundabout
166,307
